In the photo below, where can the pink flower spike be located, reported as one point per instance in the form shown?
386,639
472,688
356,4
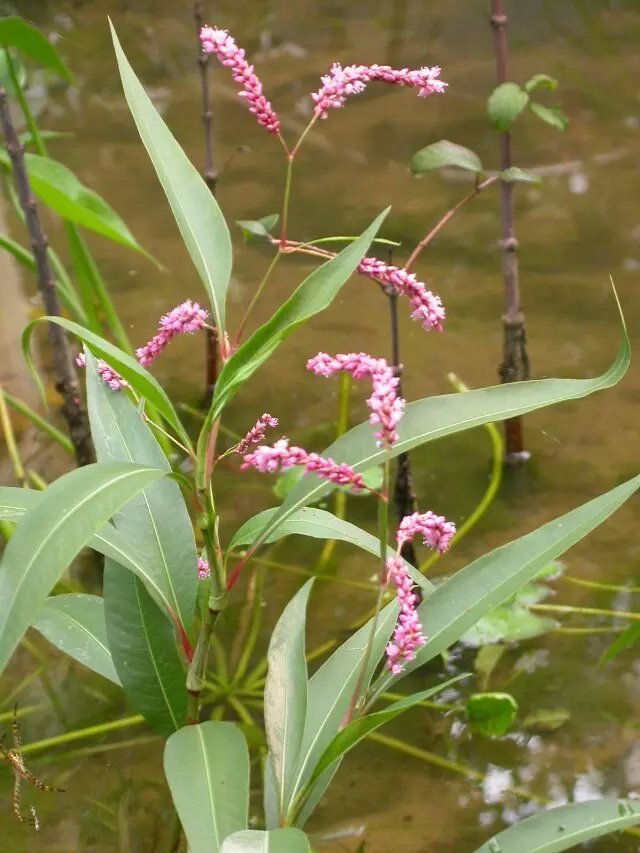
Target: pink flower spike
435,530
407,636
203,569
427,307
341,82
228,53
281,456
185,318
386,407
256,433
106,373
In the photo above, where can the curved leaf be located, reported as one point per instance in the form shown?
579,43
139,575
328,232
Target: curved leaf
75,624
196,212
628,637
564,827
491,714
435,417
207,768
143,648
59,190
289,840
550,115
156,520
445,153
285,692
139,378
505,104
53,532
16,32
540,80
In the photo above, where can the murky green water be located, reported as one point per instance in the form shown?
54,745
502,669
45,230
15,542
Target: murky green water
580,226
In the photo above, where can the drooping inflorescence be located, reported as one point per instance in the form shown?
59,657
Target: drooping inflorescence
106,373
427,307
184,318
282,456
256,433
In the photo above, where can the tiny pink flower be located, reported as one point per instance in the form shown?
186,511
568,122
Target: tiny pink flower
407,636
185,318
203,569
281,456
386,407
341,82
229,54
106,373
256,433
427,307
435,530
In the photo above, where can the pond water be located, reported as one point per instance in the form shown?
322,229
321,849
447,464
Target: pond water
580,226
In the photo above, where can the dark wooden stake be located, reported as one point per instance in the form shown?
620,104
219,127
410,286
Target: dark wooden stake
210,175
66,379
515,361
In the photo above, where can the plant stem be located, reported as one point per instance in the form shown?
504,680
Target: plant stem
10,441
585,611
291,155
256,296
515,360
38,421
81,734
67,380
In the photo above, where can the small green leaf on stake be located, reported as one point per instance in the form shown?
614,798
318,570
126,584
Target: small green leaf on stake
520,176
505,104
445,153
540,80
491,714
550,115
258,227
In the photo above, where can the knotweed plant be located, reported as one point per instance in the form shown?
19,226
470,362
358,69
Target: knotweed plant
168,579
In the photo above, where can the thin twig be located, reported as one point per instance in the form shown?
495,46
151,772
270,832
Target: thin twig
66,379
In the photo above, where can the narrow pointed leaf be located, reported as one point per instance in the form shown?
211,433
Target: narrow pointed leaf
196,212
289,840
16,32
628,637
565,827
359,728
444,153
285,692
436,417
207,768
143,648
540,80
51,535
75,624
156,520
60,190
140,379
550,115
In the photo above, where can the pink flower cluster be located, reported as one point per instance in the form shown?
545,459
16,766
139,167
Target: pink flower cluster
187,317
427,307
106,373
341,82
435,530
256,433
228,53
407,635
386,407
281,456
203,569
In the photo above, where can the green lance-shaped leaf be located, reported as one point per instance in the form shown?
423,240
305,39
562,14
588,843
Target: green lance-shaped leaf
16,32
59,190
628,637
358,729
540,80
441,154
207,768
505,104
471,593
289,840
285,692
315,294
317,524
258,227
196,212
565,827
138,377
330,691
436,417
156,520
74,623
550,115
144,652
51,535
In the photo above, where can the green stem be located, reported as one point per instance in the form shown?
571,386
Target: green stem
36,137
38,421
256,297
82,734
605,587
10,441
284,219
584,611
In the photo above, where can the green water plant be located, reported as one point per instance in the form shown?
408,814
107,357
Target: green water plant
168,581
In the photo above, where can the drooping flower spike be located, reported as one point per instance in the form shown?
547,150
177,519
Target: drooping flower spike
185,318
387,408
106,373
341,82
427,307
220,43
281,456
256,433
